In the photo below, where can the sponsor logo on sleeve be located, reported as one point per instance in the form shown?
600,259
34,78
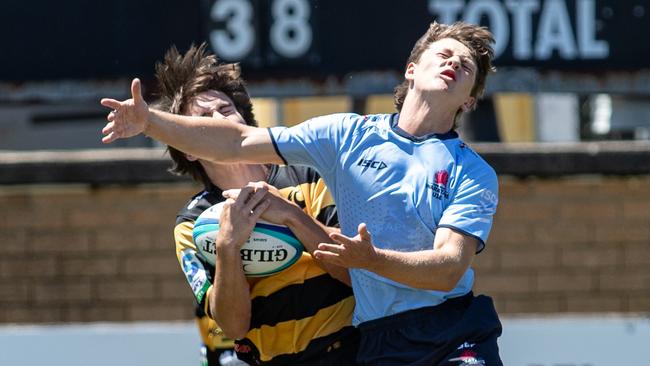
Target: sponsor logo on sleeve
195,273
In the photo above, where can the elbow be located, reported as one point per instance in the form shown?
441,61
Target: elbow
450,280
235,331
448,284
233,326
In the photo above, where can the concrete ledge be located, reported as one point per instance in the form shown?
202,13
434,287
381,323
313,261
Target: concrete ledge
96,167
133,166
558,159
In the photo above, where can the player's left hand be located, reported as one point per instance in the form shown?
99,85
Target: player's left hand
128,118
356,252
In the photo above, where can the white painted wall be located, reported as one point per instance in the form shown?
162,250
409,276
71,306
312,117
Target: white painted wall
100,344
557,117
597,340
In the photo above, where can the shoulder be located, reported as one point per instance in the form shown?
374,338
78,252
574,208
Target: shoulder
335,117
474,166
350,120
371,120
197,204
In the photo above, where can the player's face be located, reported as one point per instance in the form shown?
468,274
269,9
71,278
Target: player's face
213,103
447,65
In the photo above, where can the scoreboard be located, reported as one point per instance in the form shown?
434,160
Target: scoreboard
340,35
285,40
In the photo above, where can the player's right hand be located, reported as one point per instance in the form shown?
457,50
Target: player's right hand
127,118
279,210
238,216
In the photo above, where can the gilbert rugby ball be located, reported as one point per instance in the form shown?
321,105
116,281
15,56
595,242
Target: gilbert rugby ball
269,249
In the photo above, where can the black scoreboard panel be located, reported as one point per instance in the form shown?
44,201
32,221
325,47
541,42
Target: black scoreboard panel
45,40
334,36
77,39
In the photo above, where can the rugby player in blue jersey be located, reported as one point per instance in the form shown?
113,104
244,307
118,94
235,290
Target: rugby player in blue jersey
415,203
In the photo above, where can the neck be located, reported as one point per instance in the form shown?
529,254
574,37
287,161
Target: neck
234,176
422,115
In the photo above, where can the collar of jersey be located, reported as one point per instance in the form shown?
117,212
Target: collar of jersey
439,136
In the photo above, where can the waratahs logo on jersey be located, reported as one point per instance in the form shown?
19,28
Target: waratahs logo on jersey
439,185
441,178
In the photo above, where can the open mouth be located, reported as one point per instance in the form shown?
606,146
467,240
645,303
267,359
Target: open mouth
450,74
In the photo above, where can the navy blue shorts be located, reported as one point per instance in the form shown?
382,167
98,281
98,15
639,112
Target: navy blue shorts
460,331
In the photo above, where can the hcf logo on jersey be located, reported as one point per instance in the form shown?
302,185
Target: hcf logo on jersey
439,185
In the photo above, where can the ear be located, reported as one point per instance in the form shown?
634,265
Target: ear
410,71
469,104
191,157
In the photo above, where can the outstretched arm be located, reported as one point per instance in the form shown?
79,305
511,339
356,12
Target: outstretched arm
208,138
439,268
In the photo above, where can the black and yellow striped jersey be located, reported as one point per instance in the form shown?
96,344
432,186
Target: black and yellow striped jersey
297,314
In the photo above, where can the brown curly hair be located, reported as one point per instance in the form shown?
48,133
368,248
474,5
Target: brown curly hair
180,78
478,39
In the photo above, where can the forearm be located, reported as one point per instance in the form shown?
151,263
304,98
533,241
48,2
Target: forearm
439,268
428,269
211,138
230,304
310,232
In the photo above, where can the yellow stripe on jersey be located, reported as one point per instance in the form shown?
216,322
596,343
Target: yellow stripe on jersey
313,196
304,269
183,238
293,336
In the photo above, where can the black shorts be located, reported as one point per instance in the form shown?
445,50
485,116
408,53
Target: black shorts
344,355
460,331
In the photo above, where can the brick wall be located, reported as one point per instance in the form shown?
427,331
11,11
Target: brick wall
104,252
573,244
72,253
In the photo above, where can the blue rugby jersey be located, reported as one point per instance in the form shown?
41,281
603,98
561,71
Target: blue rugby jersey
403,187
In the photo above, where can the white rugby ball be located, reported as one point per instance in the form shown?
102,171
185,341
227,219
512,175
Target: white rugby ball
269,249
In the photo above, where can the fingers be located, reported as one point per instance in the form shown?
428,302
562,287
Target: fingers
340,238
263,184
259,209
136,91
231,193
254,199
254,190
109,133
110,103
259,185
327,256
109,138
248,198
108,128
364,234
331,248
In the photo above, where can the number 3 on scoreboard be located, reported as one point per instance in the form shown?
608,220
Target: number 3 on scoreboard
238,38
290,31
